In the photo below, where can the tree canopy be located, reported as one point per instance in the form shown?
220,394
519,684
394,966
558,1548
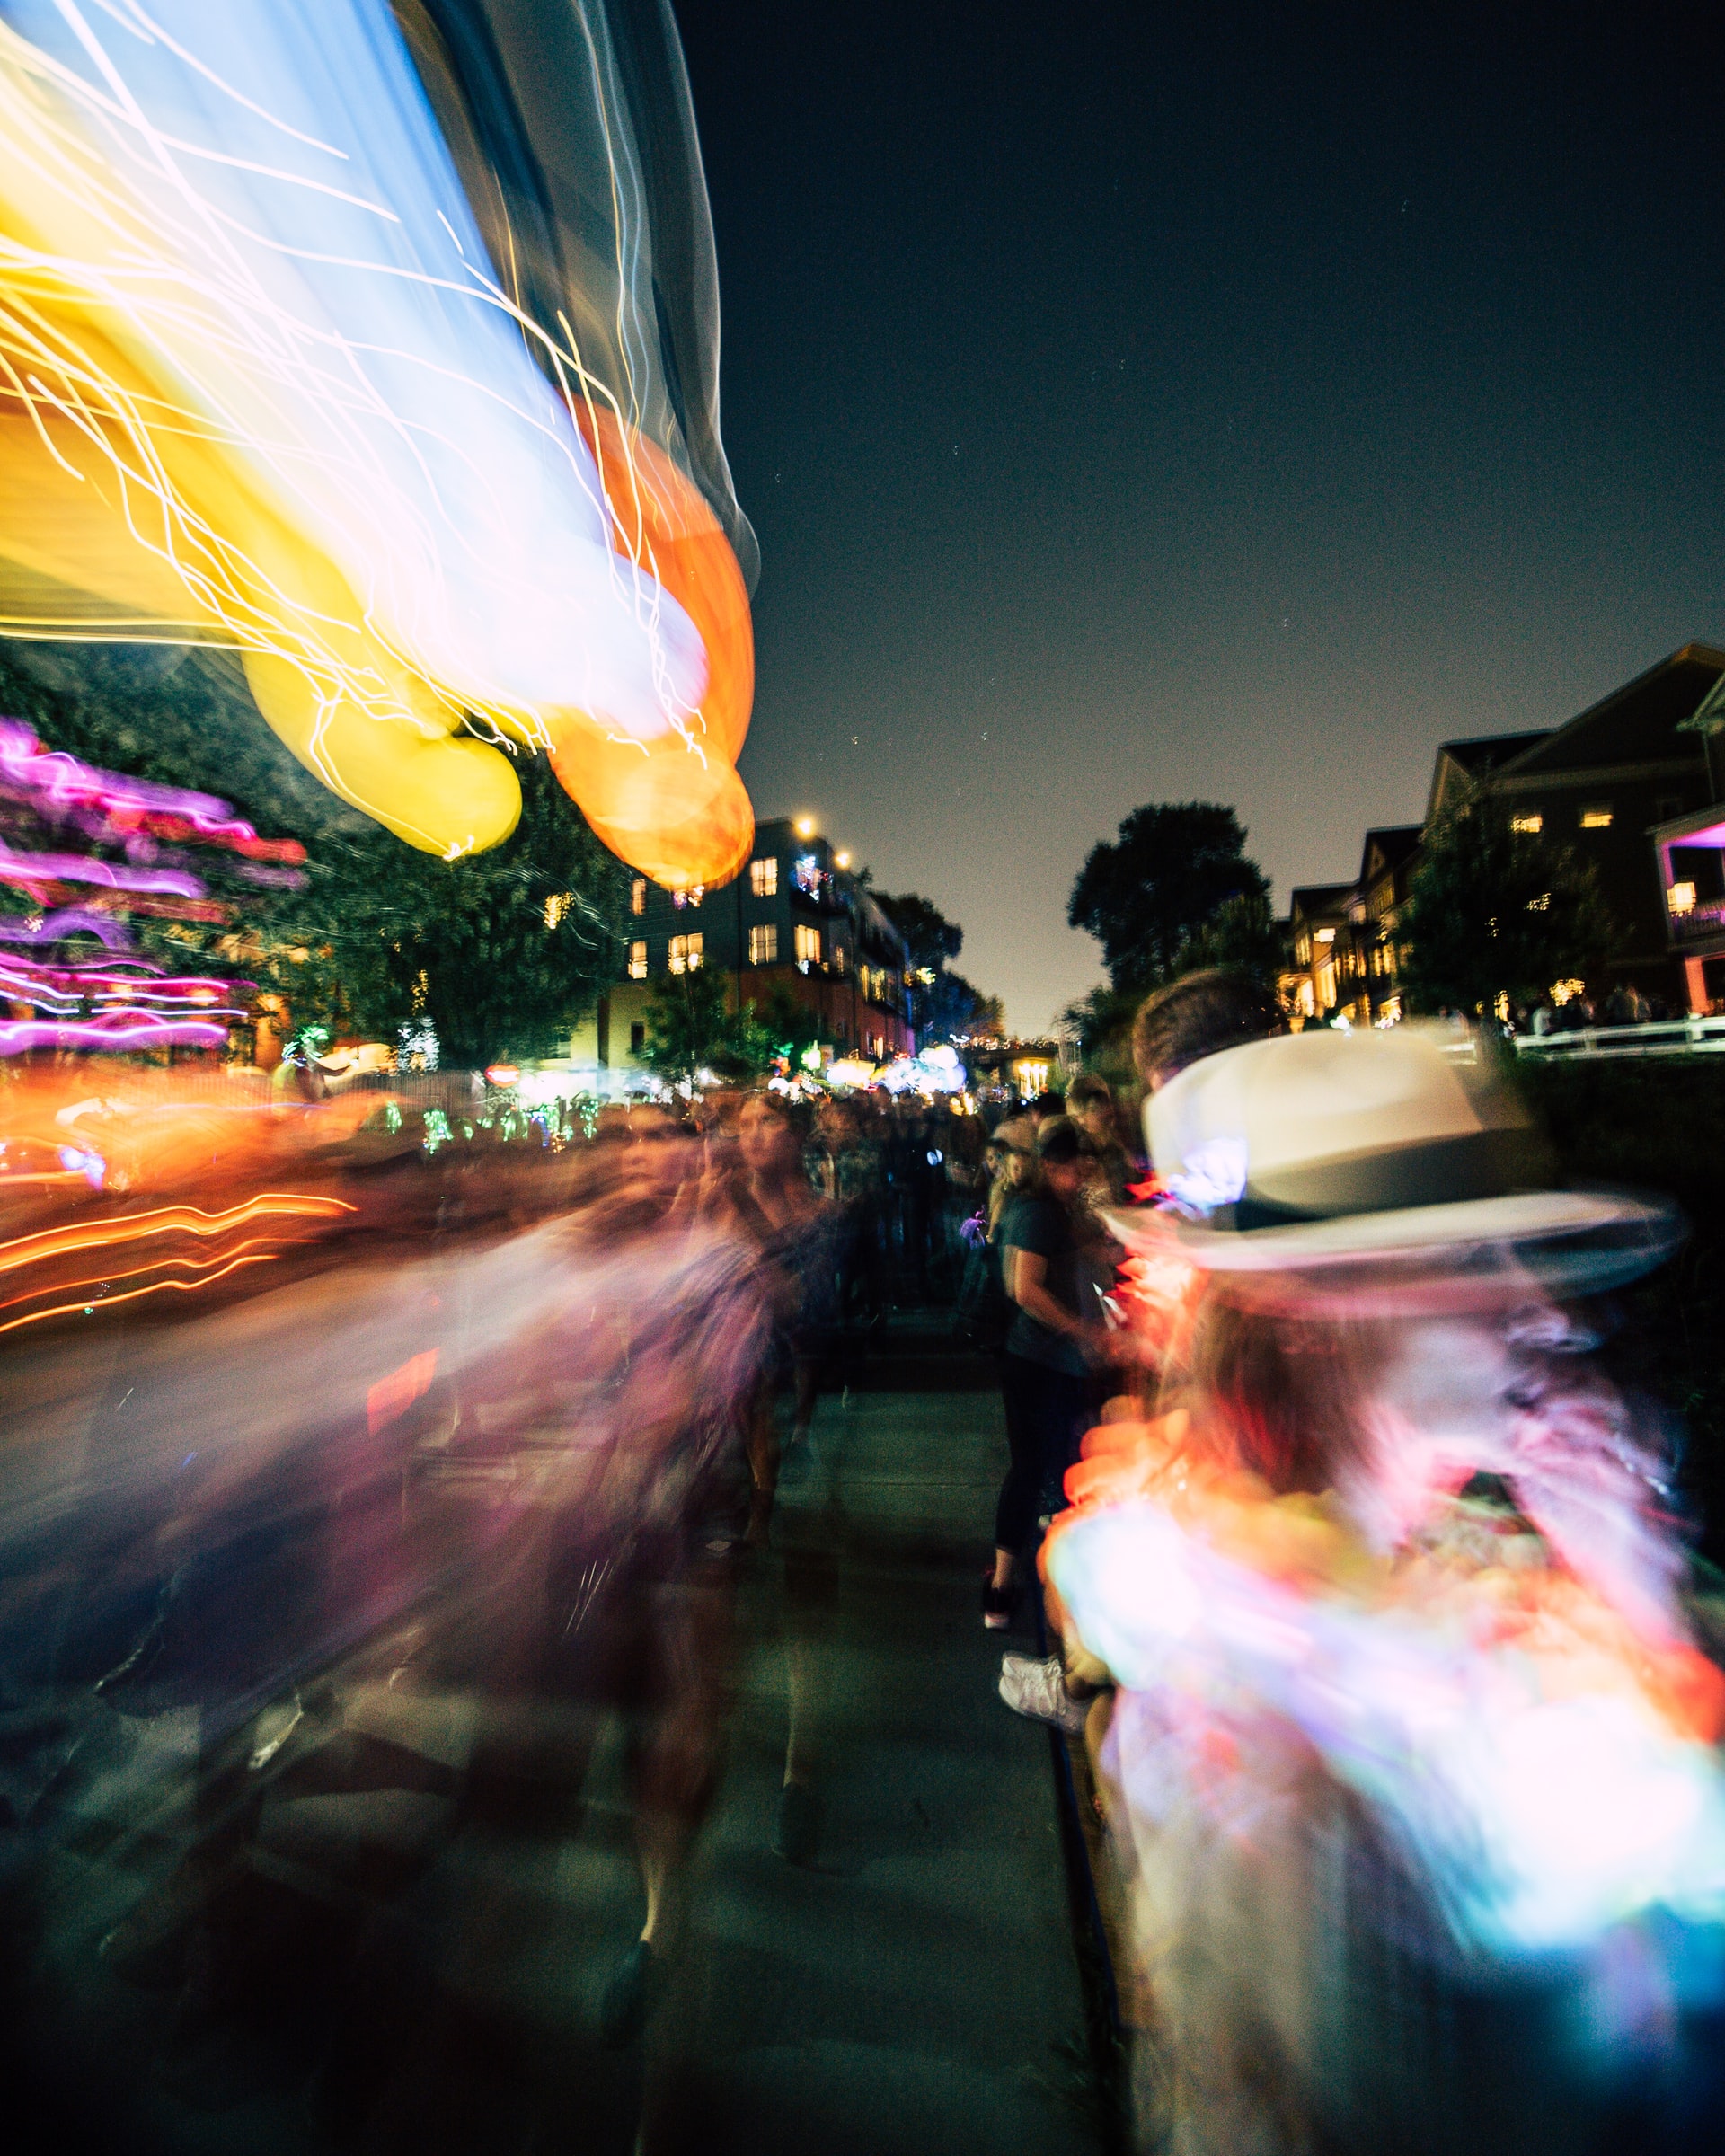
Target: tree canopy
1145,893
946,1005
930,940
1495,911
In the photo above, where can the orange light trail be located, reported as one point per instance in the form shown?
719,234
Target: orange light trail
190,1220
264,1243
185,1287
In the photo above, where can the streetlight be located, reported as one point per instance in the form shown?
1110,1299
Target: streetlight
805,826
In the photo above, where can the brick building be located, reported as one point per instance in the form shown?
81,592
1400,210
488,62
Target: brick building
795,918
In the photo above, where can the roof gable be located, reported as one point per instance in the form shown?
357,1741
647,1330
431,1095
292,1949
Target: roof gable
1314,901
1636,724
1385,849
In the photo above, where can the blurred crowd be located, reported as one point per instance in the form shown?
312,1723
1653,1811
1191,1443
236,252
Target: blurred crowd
378,1463
368,1458
1367,1600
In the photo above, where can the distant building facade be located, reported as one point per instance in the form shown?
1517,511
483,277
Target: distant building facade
1633,784
793,919
1623,769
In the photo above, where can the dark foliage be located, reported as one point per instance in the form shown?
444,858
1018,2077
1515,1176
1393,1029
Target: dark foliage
947,1005
1659,1123
1492,910
1145,893
691,1028
930,938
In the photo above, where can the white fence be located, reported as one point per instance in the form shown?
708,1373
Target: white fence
1669,1036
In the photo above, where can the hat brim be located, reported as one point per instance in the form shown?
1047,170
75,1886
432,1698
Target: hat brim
1575,1240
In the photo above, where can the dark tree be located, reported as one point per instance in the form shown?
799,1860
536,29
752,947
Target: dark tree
951,1008
930,940
1144,893
1493,911
1102,1021
501,951
1241,936
691,1028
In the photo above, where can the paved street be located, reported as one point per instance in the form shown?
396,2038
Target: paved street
913,1989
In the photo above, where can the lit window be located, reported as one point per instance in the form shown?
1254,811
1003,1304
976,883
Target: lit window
686,952
1596,819
1530,824
1681,897
764,877
808,944
638,961
838,958
1541,905
763,944
638,895
1326,935
556,906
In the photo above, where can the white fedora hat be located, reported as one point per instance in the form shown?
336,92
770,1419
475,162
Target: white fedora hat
1327,1148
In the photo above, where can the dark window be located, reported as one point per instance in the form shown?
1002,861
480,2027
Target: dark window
637,1036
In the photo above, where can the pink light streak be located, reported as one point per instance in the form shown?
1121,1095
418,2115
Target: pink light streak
62,783
29,869
72,921
134,1032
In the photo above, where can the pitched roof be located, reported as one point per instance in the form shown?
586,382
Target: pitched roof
1460,766
1489,752
1314,898
1392,844
1636,724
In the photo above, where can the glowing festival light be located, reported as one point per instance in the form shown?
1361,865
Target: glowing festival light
139,1035
190,1220
62,784
30,869
262,386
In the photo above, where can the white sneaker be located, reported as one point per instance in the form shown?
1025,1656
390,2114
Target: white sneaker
1039,1690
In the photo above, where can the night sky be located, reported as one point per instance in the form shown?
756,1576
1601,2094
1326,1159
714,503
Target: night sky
1141,405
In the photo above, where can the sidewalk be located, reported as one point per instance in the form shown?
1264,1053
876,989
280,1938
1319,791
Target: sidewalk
914,1991
911,1992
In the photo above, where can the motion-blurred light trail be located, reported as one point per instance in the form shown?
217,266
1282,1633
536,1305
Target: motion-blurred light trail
260,385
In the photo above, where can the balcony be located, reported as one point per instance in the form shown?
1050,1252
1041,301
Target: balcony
1691,855
1702,920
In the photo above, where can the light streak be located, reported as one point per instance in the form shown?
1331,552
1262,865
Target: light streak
72,921
190,1219
30,869
66,1310
61,783
260,387
24,1034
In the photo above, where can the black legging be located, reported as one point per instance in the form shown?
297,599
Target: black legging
1048,1412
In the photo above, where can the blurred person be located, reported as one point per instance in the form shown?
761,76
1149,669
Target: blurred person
1056,1341
498,1483
985,1313
1044,1108
1412,1761
1198,1015
803,1239
1090,1103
